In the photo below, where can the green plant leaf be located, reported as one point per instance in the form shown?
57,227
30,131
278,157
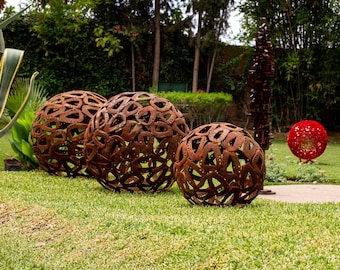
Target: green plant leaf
15,117
5,23
25,120
27,149
17,131
12,18
16,147
21,129
10,62
2,41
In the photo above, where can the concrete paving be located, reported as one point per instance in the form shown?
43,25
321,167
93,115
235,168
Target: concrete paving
302,193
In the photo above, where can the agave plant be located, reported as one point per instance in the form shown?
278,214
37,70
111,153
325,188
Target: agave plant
10,62
21,142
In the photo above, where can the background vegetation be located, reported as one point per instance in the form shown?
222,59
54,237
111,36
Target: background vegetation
108,47
200,109
306,38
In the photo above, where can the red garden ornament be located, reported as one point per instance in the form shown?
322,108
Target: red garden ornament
307,140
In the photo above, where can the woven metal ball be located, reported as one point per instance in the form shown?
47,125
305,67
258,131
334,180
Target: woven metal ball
307,140
131,142
58,131
219,164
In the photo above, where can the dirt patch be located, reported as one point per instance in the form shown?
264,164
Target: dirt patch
33,223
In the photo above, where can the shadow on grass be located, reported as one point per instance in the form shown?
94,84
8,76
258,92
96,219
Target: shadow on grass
104,190
323,164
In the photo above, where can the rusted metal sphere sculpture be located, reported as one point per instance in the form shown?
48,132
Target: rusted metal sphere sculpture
131,142
58,131
219,164
307,140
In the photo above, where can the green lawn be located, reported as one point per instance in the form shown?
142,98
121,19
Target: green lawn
50,222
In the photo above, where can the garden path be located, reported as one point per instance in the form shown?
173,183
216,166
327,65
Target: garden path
302,193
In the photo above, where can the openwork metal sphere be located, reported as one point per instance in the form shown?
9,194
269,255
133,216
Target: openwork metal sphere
58,131
131,142
307,140
219,164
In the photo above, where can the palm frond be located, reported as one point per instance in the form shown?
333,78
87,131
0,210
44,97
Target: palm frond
20,110
39,96
18,92
5,119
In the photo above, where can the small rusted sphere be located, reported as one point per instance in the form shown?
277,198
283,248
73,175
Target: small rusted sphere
307,140
131,142
219,164
58,131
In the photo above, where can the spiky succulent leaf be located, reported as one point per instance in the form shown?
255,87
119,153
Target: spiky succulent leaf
5,23
20,110
12,18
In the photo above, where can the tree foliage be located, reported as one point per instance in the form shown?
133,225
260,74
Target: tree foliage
107,46
212,22
305,34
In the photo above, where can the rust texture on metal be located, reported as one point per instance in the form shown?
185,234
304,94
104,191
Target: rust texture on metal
58,131
131,142
263,68
219,164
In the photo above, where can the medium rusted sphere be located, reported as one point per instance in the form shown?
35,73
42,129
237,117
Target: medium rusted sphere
58,131
307,139
219,164
131,142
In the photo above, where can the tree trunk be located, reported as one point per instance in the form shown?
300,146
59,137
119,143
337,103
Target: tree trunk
211,68
157,51
197,56
133,75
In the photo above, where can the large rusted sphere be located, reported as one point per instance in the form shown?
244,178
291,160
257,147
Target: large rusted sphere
307,140
58,131
131,142
219,164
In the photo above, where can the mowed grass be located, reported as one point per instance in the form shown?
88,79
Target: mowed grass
50,222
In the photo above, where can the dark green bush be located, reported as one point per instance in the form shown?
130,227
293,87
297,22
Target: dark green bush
200,108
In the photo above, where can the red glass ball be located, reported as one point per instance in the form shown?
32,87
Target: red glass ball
307,139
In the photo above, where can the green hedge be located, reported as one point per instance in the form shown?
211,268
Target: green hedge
200,108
